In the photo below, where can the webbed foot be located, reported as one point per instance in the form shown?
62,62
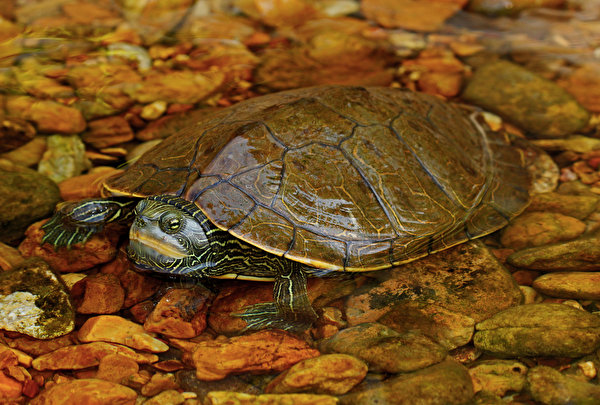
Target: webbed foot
268,316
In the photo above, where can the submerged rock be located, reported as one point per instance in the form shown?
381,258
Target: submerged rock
64,158
86,391
239,398
549,386
573,284
498,376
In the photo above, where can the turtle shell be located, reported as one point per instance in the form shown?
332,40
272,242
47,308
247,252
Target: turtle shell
338,177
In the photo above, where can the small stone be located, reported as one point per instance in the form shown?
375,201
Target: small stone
169,397
239,398
106,132
331,374
98,294
510,7
581,254
498,376
530,296
116,368
86,391
9,257
29,154
549,386
9,388
447,382
48,116
540,228
577,206
531,102
385,349
14,133
261,352
34,301
180,313
576,285
37,347
539,330
100,248
25,196
573,143
441,83
153,110
411,15
187,381
115,329
158,383
86,355
86,185
543,171
584,84
278,13
64,158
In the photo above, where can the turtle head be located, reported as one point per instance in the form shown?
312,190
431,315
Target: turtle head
169,235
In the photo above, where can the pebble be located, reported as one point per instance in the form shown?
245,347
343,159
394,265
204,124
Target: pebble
510,7
265,351
447,382
64,158
86,391
159,382
26,196
238,398
98,294
29,154
116,368
573,143
37,347
548,386
48,116
115,329
9,257
577,206
540,228
168,397
186,379
35,302
410,15
384,349
153,110
573,284
106,132
14,133
331,374
584,84
498,376
531,102
545,329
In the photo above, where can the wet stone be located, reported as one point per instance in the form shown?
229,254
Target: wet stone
548,386
540,228
332,374
385,349
158,383
9,257
510,7
26,196
64,158
238,398
48,116
29,154
186,379
498,376
577,206
531,102
98,294
37,347
14,133
116,368
105,132
86,391
447,382
410,14
170,397
545,329
575,285
35,302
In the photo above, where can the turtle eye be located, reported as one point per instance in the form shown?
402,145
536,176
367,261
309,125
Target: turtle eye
171,223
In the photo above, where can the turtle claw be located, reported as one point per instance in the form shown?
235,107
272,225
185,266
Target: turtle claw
267,316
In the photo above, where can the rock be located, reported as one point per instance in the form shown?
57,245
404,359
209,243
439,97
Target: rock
14,133
447,382
115,329
510,7
100,248
412,15
531,102
466,279
86,355
86,185
261,352
98,294
64,158
86,391
29,154
26,196
540,228
385,349
578,206
9,257
278,13
48,116
539,330
158,383
153,110
576,285
116,368
170,397
105,132
543,171
35,302
573,143
180,313
498,376
331,374
548,386
186,379
37,347
584,85
9,389
581,254
238,398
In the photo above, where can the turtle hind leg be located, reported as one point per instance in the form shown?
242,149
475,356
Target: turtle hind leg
291,310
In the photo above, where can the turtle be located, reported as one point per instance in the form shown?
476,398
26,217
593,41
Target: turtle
308,181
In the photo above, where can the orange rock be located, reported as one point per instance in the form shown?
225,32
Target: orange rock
159,383
137,286
87,185
115,329
49,116
180,313
443,84
417,15
86,391
98,294
9,257
240,398
101,248
116,368
87,355
9,388
37,347
19,357
278,12
142,310
584,85
109,131
261,352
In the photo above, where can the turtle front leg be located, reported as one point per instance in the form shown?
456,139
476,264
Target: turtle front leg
76,222
291,310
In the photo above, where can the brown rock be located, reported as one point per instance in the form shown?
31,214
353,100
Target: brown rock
239,398
116,368
9,387
87,355
576,285
48,116
14,133
332,374
86,391
115,329
180,313
278,12
9,257
86,185
158,383
37,347
540,228
170,397
584,85
29,154
411,14
578,206
99,249
106,132
443,84
261,352
98,294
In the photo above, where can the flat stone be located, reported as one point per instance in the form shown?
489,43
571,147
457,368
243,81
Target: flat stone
410,14
510,7
445,383
548,386
105,132
64,158
540,228
575,285
14,133
577,206
171,397
86,391
581,254
239,398
116,368
385,349
531,102
48,116
498,376
98,294
34,301
29,154
159,382
539,330
331,374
